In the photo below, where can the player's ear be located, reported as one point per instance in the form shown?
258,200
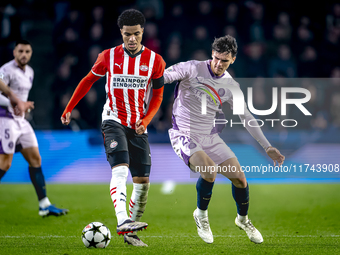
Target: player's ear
234,58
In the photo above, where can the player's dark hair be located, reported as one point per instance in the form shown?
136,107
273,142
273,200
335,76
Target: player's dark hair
131,17
225,44
22,41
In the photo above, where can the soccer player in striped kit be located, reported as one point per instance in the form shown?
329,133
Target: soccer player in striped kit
16,133
132,72
195,139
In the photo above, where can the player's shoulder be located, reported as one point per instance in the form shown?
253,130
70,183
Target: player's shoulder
8,66
157,55
192,64
29,68
196,64
106,52
228,79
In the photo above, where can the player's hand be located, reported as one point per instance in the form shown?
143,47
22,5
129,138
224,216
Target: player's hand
67,119
21,107
140,129
28,106
275,155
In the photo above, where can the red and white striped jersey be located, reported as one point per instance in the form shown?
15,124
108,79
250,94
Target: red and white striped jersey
128,82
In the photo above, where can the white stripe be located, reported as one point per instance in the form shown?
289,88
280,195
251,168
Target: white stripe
114,105
137,64
100,75
151,63
125,91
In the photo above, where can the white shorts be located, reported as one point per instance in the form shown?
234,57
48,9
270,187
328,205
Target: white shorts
185,144
16,134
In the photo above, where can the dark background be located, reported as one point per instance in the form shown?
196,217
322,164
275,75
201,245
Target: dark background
277,40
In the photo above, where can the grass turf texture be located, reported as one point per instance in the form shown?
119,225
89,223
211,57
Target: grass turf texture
293,219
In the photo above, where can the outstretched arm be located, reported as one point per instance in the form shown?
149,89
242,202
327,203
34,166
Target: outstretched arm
256,132
275,155
177,72
83,87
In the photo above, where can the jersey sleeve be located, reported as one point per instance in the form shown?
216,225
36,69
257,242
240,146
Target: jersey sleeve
100,67
159,67
4,76
177,72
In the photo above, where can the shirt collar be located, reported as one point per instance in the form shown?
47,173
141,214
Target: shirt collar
133,55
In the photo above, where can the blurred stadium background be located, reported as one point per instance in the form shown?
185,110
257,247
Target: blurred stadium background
278,41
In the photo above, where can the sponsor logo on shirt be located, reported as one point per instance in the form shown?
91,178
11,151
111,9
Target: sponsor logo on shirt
129,81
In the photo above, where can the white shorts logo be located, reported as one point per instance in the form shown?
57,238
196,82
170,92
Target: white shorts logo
113,144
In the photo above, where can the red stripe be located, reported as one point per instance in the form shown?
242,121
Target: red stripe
144,60
112,193
132,202
113,189
122,115
131,93
130,213
118,61
131,68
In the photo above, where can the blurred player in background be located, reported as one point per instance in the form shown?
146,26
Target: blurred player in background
16,134
196,141
134,90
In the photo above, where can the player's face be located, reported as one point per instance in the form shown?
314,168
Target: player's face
220,62
132,38
22,54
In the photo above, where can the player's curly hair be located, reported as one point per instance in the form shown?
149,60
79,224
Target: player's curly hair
225,44
131,17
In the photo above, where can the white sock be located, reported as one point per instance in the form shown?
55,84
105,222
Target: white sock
45,202
242,218
118,192
138,200
202,213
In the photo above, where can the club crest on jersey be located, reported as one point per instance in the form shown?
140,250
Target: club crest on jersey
113,144
144,68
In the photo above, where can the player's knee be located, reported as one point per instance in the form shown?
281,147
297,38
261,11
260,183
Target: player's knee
35,161
141,180
5,165
120,171
209,178
240,182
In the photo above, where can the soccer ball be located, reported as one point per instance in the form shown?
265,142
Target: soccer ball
96,235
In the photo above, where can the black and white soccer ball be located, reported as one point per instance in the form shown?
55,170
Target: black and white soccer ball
96,235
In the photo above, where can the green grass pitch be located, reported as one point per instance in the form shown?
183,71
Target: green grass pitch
293,219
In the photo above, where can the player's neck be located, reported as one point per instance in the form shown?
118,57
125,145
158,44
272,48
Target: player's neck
134,53
22,67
